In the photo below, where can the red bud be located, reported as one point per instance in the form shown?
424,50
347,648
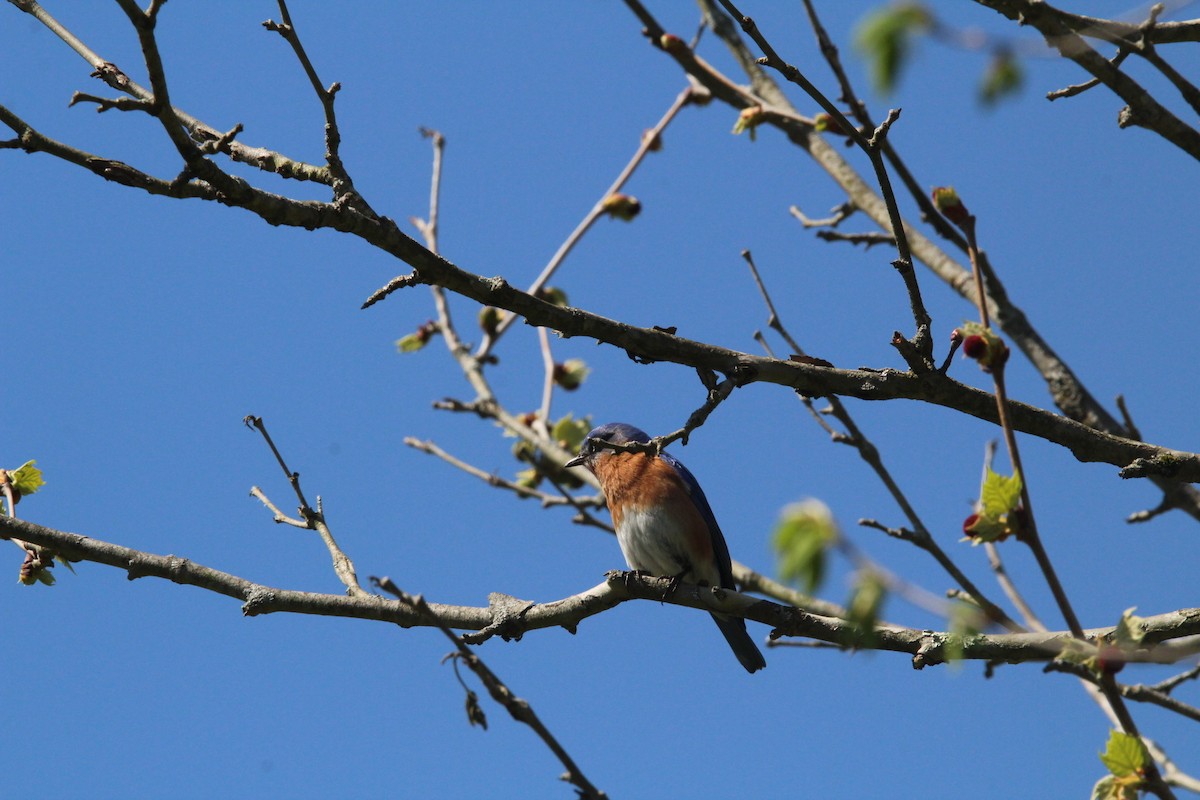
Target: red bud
975,346
671,43
945,199
1110,660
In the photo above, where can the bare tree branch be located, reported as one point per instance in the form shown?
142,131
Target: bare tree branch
927,647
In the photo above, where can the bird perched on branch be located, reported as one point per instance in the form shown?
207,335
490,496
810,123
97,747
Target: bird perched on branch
664,524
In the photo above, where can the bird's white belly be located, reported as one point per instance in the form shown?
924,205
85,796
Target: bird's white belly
652,541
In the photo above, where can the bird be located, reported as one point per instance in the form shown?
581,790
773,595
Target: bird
663,521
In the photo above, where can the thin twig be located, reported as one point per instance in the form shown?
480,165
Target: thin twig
519,708
1069,393
648,142
1137,692
920,358
1063,32
1029,534
548,369
492,479
916,595
343,186
1170,684
312,519
1010,589
867,239
840,213
486,404
1080,88
258,157
870,454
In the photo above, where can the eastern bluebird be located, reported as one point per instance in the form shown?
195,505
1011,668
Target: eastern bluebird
664,524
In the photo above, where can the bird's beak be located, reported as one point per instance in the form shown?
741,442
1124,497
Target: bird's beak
577,461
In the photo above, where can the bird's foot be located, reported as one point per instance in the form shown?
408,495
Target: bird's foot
673,584
628,576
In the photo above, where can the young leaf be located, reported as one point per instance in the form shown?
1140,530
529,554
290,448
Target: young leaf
999,495
1075,652
529,478
1003,77
554,295
1124,755
27,478
1113,788
411,343
621,206
885,37
570,432
748,121
803,534
1129,633
966,620
418,338
985,528
863,608
571,373
489,320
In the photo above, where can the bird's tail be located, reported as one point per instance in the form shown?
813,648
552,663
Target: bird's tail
734,629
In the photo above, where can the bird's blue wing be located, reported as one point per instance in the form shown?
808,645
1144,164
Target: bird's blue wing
720,548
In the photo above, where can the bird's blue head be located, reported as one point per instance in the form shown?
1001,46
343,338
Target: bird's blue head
615,432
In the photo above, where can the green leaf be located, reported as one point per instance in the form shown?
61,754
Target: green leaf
1076,652
529,478
621,206
1124,755
748,120
987,528
418,338
1002,77
30,576
1113,788
553,295
523,450
1130,631
885,36
999,513
571,373
966,620
1000,495
570,432
863,609
27,478
801,538
489,319
412,343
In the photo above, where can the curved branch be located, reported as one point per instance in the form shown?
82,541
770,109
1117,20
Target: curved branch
1068,392
1137,459
259,157
1143,110
510,618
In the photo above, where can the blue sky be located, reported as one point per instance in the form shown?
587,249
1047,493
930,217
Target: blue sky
142,331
